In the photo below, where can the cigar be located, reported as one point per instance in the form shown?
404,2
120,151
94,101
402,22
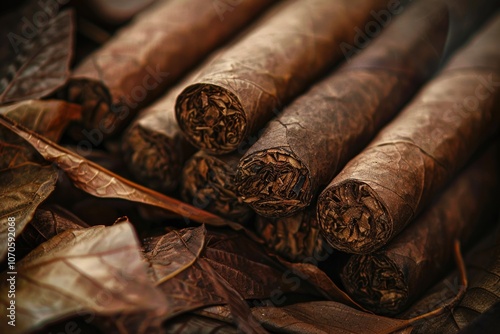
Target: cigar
208,182
147,55
389,280
301,150
295,238
482,265
246,85
154,147
383,188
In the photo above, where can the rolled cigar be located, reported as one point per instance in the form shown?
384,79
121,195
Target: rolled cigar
146,56
208,182
295,238
383,188
301,150
389,280
154,147
243,88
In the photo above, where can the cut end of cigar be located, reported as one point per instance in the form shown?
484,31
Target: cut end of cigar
274,183
294,238
211,117
154,160
376,283
352,218
95,100
208,183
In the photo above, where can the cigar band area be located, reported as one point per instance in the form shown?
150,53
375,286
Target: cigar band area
211,117
376,282
352,218
274,182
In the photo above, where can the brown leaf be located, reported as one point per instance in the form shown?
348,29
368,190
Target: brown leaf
22,189
98,270
198,324
47,117
47,222
190,270
42,61
325,317
100,182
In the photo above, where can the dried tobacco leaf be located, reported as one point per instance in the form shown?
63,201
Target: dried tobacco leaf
381,190
236,94
325,317
22,189
47,117
42,62
97,270
198,324
48,221
100,182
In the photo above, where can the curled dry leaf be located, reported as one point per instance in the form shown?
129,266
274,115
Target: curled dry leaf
199,324
98,270
42,62
47,117
22,190
99,182
47,222
325,317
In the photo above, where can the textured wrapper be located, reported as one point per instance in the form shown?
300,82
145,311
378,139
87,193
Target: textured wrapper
208,182
301,150
388,280
150,53
249,82
383,188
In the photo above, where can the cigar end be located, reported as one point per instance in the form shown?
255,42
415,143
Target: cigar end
155,160
376,283
95,100
274,182
295,238
208,183
352,218
211,117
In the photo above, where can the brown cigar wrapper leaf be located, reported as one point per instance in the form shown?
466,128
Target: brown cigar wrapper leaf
383,188
238,93
147,55
208,182
304,148
388,280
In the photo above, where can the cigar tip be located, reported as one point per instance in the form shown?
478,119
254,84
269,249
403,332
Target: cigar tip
274,182
211,117
154,160
352,218
208,183
376,283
